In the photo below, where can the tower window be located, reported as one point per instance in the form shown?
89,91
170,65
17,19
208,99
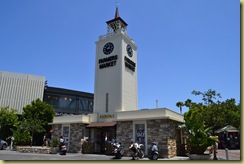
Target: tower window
106,107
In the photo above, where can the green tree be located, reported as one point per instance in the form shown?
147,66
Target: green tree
188,103
36,117
231,113
180,105
218,114
8,119
208,97
212,116
214,113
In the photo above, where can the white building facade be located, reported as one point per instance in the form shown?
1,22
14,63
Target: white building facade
18,90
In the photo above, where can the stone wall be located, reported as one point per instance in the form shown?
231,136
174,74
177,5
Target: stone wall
33,149
76,134
124,134
163,132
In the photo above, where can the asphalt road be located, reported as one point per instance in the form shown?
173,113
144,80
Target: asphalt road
13,155
8,155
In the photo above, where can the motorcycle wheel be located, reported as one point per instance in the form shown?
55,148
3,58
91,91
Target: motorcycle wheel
62,153
4,147
154,157
118,156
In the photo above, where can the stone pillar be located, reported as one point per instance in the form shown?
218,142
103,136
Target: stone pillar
124,134
76,134
171,148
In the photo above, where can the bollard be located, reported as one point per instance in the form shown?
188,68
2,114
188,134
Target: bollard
226,153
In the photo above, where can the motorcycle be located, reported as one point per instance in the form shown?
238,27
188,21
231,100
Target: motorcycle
117,150
62,148
154,151
137,151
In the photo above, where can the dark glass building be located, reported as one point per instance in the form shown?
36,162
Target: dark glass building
65,101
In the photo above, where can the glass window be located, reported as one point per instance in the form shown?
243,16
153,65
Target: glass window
61,103
71,104
85,106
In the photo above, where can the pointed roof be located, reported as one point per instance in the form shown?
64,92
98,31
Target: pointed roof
117,17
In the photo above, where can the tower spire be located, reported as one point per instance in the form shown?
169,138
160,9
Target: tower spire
116,13
116,24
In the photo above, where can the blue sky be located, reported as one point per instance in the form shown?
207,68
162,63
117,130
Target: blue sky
183,45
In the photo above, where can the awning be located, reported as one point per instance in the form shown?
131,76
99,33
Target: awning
101,124
228,128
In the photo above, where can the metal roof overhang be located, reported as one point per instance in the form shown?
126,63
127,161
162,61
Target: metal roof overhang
101,124
228,128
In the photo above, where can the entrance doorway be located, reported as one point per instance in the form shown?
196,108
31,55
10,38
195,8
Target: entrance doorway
101,137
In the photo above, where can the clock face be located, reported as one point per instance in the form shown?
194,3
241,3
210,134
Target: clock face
129,50
108,48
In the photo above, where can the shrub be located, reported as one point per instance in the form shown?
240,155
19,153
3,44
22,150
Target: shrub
21,137
54,142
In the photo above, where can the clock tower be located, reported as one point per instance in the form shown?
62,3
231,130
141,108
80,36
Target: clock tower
115,87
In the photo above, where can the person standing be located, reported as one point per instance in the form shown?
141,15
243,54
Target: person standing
61,141
44,140
48,141
12,143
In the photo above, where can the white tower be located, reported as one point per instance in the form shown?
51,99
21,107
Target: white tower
116,70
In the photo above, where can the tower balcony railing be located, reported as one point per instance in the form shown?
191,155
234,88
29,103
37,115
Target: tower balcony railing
111,34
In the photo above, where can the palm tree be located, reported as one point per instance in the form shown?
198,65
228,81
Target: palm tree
180,104
188,103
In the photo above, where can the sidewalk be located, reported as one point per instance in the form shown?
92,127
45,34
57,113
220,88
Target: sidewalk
232,154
